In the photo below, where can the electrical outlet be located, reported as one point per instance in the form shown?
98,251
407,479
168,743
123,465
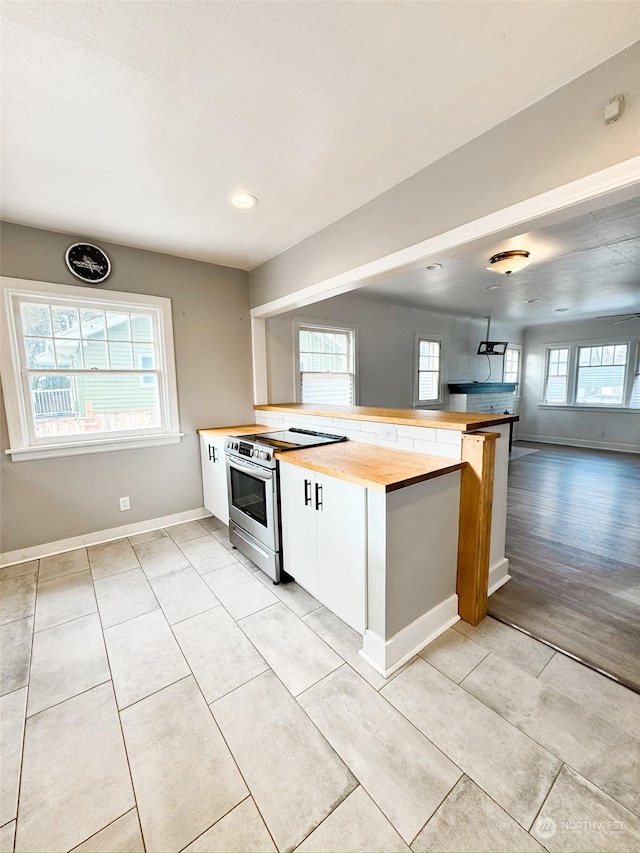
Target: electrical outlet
124,504
390,434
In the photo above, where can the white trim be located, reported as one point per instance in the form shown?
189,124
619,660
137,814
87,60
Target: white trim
327,326
388,656
580,442
498,575
622,176
48,549
49,451
260,361
436,401
24,445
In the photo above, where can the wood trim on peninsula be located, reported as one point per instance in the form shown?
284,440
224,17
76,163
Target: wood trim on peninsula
474,538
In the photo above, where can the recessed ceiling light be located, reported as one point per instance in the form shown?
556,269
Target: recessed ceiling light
433,267
531,301
243,200
561,310
492,287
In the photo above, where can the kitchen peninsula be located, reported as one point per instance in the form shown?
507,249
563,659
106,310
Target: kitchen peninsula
411,528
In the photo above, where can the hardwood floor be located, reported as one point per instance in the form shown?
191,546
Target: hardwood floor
573,543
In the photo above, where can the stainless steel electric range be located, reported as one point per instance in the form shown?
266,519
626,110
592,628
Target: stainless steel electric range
254,497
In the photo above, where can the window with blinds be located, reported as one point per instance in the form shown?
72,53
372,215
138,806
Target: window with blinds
327,365
428,371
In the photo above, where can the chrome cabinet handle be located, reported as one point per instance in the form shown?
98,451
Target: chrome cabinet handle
318,496
307,492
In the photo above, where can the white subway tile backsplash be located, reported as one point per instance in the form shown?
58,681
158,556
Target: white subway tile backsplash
430,447
449,436
421,433
373,426
399,444
366,437
346,423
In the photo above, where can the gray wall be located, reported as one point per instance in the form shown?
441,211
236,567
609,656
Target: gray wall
557,140
385,347
52,499
577,425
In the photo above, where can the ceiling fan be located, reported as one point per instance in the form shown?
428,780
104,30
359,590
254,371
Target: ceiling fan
623,318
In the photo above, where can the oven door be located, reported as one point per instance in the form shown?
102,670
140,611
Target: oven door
252,500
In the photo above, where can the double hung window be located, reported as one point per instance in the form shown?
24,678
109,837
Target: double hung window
511,369
326,362
427,370
593,375
86,370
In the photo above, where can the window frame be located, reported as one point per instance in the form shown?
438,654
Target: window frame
302,323
633,363
514,348
433,402
23,443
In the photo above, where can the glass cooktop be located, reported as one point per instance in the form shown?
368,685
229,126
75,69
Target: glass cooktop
292,439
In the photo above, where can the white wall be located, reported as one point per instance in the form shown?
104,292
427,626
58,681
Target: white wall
576,426
559,139
385,347
51,499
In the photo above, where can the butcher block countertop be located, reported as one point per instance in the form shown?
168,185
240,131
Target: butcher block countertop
461,421
380,468
243,429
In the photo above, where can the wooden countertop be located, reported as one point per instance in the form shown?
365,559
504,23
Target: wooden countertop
381,468
242,429
461,421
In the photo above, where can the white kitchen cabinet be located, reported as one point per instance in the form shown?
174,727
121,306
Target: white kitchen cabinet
324,539
214,476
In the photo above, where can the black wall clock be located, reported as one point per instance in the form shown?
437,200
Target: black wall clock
88,262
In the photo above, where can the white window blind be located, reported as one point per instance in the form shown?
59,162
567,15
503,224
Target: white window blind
327,372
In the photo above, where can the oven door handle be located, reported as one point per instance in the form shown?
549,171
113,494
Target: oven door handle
257,472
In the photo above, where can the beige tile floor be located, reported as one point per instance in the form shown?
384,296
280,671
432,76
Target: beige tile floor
160,694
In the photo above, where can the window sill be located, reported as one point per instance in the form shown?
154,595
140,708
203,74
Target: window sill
575,407
78,448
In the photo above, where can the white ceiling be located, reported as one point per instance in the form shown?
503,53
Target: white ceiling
133,121
589,264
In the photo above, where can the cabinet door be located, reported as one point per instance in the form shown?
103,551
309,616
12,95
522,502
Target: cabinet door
299,559
214,477
341,531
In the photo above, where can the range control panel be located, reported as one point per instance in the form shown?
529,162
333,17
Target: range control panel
243,448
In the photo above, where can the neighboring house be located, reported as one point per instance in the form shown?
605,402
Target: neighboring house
97,341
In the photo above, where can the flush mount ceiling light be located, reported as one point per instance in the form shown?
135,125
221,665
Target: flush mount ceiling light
243,200
508,262
433,267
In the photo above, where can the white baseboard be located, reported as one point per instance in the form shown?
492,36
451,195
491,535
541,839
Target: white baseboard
388,656
498,575
48,549
580,442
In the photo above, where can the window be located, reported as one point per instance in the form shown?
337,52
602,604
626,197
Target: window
511,367
427,385
594,374
556,382
326,362
601,372
86,370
